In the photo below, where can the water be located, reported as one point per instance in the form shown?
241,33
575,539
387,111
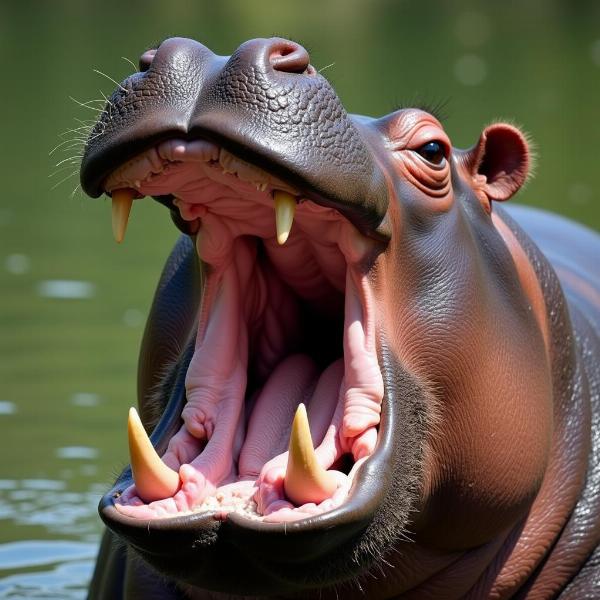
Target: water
59,567
73,304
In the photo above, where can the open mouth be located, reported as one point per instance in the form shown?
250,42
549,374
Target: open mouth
284,390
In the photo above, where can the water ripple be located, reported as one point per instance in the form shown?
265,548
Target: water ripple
41,502
34,553
66,581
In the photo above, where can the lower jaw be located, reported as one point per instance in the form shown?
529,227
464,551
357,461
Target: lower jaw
265,558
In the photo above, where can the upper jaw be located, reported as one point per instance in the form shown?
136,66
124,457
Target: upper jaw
365,207
158,162
307,140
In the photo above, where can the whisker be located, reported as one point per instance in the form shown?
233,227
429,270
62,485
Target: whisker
86,122
85,105
73,135
78,136
65,179
111,79
326,67
107,100
78,130
60,145
77,187
110,105
93,137
130,62
71,159
79,145
61,170
92,100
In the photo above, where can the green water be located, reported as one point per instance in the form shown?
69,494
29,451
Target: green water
67,363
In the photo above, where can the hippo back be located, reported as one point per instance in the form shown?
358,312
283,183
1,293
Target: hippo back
574,252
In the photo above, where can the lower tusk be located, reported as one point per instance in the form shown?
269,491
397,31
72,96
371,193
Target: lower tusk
122,200
305,479
285,207
153,479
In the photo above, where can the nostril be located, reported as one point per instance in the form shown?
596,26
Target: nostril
146,59
289,57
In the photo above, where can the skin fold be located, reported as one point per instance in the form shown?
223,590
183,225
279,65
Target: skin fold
477,471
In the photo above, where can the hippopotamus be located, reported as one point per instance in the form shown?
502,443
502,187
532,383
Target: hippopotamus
362,377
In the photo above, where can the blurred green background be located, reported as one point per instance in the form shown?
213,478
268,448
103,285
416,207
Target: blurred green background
73,303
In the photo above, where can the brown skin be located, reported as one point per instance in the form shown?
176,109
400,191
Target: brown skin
478,475
502,363
511,490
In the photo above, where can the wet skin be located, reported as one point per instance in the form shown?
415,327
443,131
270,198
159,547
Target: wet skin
476,467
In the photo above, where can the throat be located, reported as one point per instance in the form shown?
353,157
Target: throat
269,340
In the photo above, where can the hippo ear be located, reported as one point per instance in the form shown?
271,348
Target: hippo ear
500,161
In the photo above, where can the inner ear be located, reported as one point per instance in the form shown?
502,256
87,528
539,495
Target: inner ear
502,155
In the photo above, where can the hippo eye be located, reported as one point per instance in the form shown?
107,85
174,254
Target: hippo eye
433,152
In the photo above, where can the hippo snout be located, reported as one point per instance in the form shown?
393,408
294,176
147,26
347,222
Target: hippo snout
252,103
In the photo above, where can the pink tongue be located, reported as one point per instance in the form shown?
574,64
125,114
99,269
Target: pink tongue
296,379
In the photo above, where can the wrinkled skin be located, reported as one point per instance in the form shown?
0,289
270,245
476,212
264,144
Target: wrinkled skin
485,481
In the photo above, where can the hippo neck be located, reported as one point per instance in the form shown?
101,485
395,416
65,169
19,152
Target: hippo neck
529,554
